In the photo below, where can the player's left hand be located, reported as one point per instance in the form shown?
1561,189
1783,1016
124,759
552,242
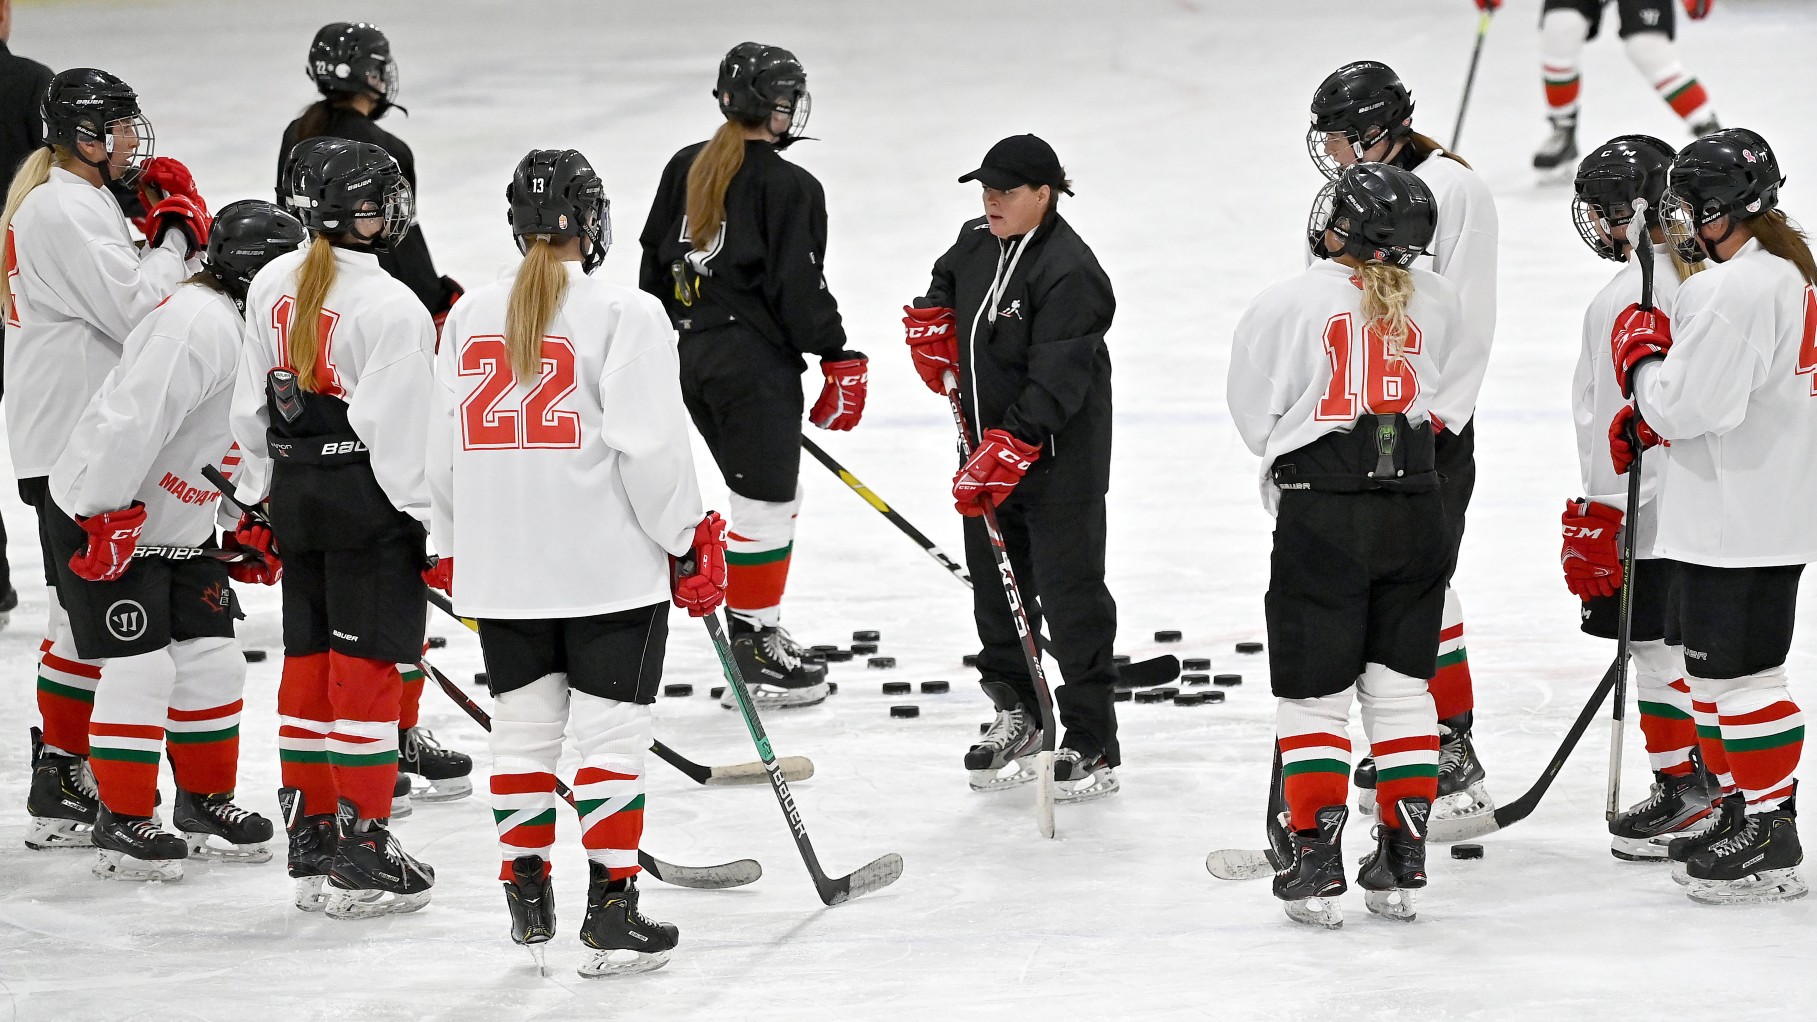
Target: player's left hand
1628,435
440,575
702,588
1639,334
162,178
253,535
1591,556
454,291
1698,9
841,402
992,471
112,537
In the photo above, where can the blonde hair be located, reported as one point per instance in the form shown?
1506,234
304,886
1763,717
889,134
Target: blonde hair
34,171
1387,290
314,279
708,178
1778,235
540,289
1425,146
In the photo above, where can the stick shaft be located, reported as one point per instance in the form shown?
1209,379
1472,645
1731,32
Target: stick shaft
883,508
1476,56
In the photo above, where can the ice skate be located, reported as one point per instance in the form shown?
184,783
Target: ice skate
623,940
1678,805
312,844
1003,757
1759,862
1082,778
1461,794
136,848
1311,884
1363,777
530,897
215,828
1708,126
1559,148
8,603
400,797
62,800
1730,812
1390,874
773,671
445,770
372,875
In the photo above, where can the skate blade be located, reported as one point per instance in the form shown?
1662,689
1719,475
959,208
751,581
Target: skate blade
622,963
309,895
1097,785
216,848
1472,802
1365,802
539,953
1769,886
1019,772
401,808
111,865
1395,904
1323,912
47,833
351,905
767,697
446,789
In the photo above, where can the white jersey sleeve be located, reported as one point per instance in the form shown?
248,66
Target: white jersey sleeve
649,427
1464,252
387,406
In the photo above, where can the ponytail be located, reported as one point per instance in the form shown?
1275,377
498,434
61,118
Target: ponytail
34,171
709,177
1425,146
314,120
1777,235
314,280
540,289
1386,292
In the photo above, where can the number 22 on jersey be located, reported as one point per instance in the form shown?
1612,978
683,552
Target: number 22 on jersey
499,415
1364,376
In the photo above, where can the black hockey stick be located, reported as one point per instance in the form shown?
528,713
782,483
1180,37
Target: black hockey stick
1643,251
1245,864
166,552
878,874
1476,56
730,874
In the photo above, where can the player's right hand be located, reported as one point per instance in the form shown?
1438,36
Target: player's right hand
440,575
1698,9
1639,334
253,535
112,537
1491,6
1591,556
699,579
1629,434
933,340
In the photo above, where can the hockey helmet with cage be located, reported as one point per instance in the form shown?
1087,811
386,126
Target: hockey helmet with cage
354,58
85,104
339,184
246,235
1357,106
756,81
1732,173
1625,168
556,192
1379,213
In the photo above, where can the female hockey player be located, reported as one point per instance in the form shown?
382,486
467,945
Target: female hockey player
1334,384
1609,181
77,282
1033,374
1726,379
1363,112
559,400
130,501
735,246
333,388
352,67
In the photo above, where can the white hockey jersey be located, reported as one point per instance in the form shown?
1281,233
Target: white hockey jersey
159,417
1302,367
378,347
1464,252
1595,396
80,284
1737,397
563,498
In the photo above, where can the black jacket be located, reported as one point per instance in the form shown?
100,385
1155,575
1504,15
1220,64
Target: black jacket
408,262
22,85
1040,368
764,269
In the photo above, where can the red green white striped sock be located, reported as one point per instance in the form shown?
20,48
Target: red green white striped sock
524,810
1405,767
305,717
124,758
609,792
1562,86
205,747
66,696
1763,734
1315,773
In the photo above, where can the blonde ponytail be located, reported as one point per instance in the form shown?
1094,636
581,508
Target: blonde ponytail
1778,235
1387,290
708,178
540,289
314,280
34,171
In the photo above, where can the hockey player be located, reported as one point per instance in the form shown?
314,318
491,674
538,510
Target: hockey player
735,246
1608,182
129,478
1726,379
559,400
1333,382
76,284
1017,310
331,399
1362,111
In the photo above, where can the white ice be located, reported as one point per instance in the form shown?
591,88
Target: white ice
1182,123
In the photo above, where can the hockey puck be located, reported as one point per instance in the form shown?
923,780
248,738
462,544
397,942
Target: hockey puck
1227,680
716,691
1249,647
823,649
934,688
1195,663
1121,659
984,728
1195,679
969,659
682,689
482,678
905,711
1189,699
438,642
1168,635
1121,695
897,688
253,656
882,663
1467,851
863,648
867,636
1151,695
1213,695
838,656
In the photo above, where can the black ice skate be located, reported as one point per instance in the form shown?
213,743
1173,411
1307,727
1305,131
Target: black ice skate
1312,882
62,800
400,797
1759,862
622,938
215,828
445,770
372,875
773,671
136,848
9,602
1461,794
1708,126
530,897
1000,760
1728,814
1363,777
1082,777
313,840
1559,148
1678,805
1390,874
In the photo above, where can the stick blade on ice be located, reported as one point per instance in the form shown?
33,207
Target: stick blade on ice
1239,864
794,769
738,873
875,876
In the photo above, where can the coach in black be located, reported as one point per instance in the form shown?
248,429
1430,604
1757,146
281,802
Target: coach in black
1018,308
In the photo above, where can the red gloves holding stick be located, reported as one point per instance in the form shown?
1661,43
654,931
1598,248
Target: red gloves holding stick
1639,336
1591,556
992,471
112,537
253,535
933,340
699,578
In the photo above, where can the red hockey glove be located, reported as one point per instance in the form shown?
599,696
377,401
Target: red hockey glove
440,575
253,535
179,213
1491,6
699,579
1591,557
1637,337
163,177
112,536
992,472
1628,435
841,401
933,340
1699,9
455,291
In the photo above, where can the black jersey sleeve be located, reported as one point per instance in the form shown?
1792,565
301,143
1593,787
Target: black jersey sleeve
795,289
941,289
653,270
1066,342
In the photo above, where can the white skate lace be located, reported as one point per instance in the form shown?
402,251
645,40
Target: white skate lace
85,781
226,811
1450,753
1737,841
1004,730
145,831
1652,801
795,648
420,744
776,646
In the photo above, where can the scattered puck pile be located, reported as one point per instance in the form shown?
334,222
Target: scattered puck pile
1197,686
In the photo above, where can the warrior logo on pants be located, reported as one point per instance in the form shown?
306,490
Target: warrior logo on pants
126,620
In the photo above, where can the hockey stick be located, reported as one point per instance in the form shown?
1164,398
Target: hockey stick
730,874
1643,251
878,874
1031,653
1244,864
1476,56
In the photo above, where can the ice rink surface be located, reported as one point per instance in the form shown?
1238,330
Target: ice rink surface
1181,123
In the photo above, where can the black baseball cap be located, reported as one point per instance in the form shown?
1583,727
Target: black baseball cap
1020,160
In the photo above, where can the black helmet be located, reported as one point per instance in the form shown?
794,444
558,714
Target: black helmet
555,191
1380,213
347,181
293,165
756,81
87,105
1363,103
1731,173
354,59
1625,168
246,235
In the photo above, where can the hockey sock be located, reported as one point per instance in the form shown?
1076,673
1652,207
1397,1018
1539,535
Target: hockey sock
526,742
1709,733
362,748
1402,728
1665,706
1452,694
411,697
760,544
1763,733
66,686
609,788
204,727
1562,33
1657,58
305,718
1315,755
126,734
